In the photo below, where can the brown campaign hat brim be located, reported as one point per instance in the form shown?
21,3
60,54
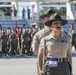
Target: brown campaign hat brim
63,21
44,15
49,12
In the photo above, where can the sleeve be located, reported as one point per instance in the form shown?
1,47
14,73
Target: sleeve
41,46
70,46
35,42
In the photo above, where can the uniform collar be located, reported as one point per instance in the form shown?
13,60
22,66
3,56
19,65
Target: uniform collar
52,37
46,27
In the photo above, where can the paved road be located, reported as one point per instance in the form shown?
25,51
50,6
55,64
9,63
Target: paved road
24,66
74,62
18,66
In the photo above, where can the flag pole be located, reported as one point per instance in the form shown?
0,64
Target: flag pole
17,36
33,6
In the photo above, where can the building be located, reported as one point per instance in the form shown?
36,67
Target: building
70,6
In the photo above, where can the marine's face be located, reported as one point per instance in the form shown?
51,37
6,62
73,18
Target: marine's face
56,26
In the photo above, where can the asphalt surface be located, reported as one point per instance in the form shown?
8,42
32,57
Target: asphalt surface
25,65
14,65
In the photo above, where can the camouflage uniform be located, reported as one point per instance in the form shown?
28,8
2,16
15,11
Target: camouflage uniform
24,42
14,43
4,43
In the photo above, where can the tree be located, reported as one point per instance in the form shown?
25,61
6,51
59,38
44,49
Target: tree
61,10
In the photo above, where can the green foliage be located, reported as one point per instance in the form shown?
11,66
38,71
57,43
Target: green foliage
60,10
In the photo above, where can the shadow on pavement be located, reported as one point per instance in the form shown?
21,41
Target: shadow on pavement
17,57
26,56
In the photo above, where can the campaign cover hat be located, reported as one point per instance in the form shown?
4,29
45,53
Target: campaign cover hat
55,17
47,13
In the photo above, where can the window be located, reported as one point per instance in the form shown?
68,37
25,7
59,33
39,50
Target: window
71,7
5,3
74,7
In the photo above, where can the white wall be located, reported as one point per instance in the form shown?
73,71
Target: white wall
69,12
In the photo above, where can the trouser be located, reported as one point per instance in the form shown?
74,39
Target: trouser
24,47
62,69
8,48
14,45
29,50
4,47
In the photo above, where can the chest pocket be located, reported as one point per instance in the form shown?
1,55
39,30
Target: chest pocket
54,46
64,43
51,46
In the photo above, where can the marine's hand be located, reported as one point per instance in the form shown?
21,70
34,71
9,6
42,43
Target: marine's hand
40,73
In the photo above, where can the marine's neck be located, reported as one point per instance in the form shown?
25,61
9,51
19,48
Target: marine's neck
56,35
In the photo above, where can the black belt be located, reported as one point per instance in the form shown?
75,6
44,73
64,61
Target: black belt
58,59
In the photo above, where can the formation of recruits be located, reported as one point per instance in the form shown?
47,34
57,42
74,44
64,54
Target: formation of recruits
10,44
